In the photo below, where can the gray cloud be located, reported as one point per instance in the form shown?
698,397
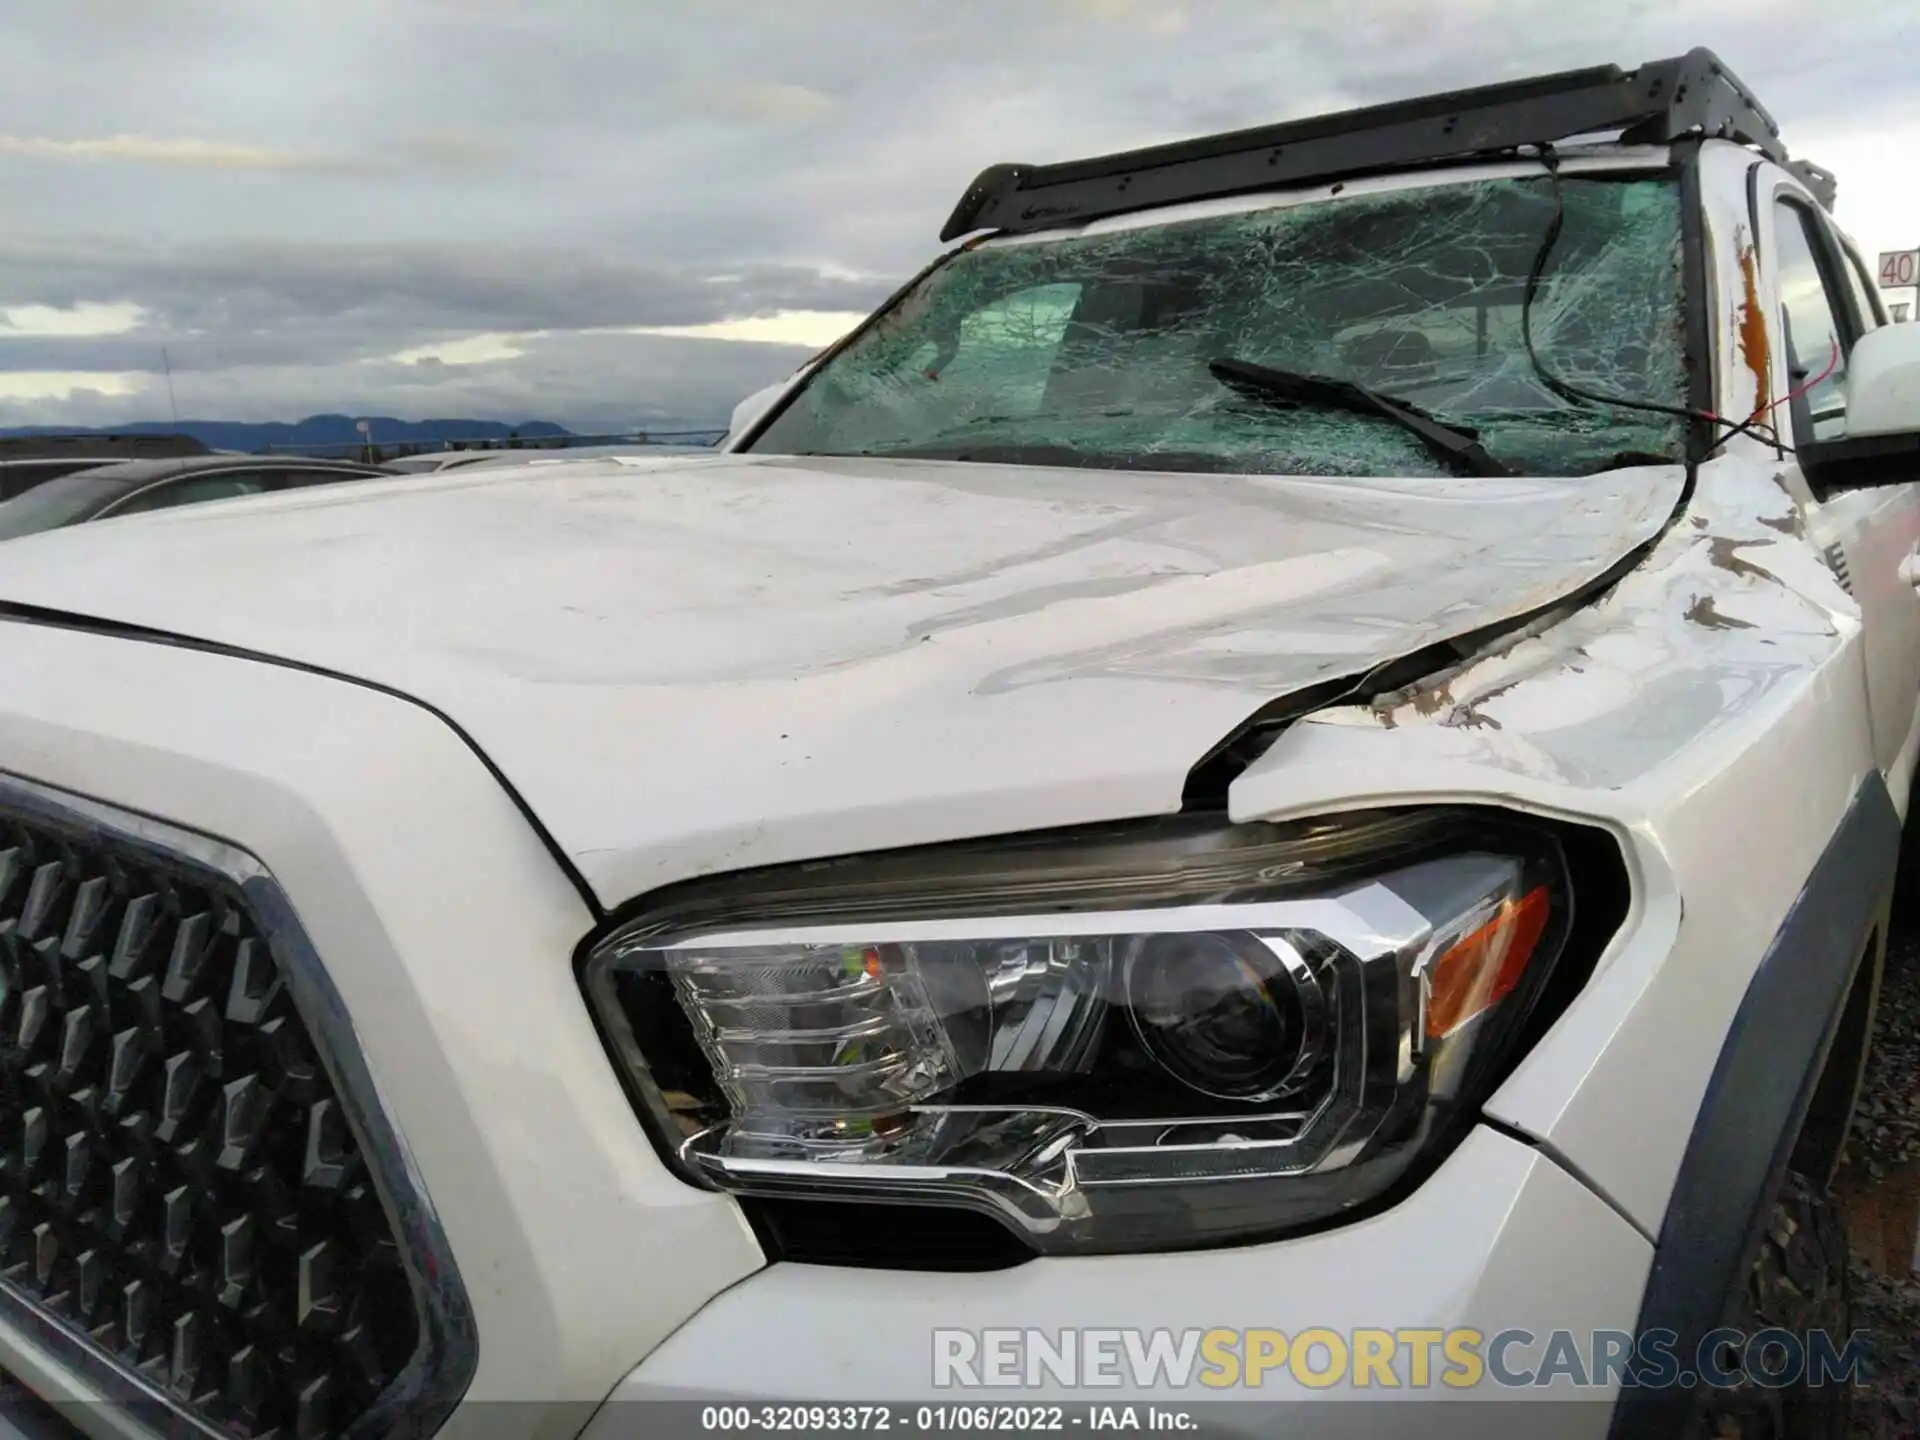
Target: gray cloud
293,193
598,383
276,302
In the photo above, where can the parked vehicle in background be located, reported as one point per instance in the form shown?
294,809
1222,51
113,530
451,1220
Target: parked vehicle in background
30,460
436,461
1306,735
135,487
578,454
753,408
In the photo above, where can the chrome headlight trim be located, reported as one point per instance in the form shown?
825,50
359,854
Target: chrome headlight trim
1329,887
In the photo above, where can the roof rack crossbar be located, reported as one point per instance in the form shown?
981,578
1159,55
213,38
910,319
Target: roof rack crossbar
1663,101
1824,187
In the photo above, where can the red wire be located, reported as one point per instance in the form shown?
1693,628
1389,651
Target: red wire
1833,364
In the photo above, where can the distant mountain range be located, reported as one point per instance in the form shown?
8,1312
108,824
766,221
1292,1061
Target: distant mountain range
315,430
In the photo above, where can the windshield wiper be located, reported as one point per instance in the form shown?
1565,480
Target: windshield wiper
1455,444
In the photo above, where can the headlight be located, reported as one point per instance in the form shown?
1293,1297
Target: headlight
1143,1037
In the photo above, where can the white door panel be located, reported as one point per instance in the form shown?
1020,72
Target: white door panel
1878,532
1873,534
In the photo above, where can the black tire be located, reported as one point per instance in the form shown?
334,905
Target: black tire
1798,1283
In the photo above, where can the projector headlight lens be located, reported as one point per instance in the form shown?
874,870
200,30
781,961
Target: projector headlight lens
1209,1031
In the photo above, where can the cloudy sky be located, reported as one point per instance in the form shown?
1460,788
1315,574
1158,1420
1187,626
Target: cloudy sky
618,212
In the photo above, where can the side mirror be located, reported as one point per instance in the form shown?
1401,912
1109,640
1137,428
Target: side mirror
1882,441
1883,383
750,411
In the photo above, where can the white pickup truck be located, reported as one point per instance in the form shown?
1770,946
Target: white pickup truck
1307,732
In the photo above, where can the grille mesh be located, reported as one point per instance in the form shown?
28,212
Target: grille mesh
177,1180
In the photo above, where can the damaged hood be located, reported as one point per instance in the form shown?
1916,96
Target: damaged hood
710,664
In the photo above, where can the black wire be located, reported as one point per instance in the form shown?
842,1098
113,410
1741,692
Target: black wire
1747,427
1563,388
1772,437
1550,161
1568,391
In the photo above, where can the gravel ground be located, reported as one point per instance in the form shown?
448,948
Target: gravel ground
1883,1155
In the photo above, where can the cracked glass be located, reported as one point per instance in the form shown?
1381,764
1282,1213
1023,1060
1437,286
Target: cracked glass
1095,350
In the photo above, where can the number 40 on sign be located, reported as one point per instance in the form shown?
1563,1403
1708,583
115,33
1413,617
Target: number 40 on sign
1899,269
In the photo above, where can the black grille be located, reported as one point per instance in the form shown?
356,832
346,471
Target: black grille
1837,558
178,1182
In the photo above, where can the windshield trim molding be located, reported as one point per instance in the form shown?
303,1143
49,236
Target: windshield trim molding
1697,348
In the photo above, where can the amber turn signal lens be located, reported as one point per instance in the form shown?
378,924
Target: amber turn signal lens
1480,969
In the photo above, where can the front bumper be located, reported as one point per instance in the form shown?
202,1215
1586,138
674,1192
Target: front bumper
1499,1238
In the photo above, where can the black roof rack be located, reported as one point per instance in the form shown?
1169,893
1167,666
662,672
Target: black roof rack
1661,102
1823,184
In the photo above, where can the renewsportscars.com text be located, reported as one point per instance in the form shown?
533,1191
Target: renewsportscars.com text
1388,1359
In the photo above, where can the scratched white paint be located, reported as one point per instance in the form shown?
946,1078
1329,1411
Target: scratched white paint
741,660
1722,755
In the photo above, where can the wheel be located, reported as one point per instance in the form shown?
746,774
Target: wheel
1798,1283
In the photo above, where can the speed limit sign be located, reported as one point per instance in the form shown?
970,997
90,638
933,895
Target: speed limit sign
1899,269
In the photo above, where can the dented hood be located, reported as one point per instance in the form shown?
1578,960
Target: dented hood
710,664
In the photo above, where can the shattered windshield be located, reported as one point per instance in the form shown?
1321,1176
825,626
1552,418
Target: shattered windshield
1101,350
